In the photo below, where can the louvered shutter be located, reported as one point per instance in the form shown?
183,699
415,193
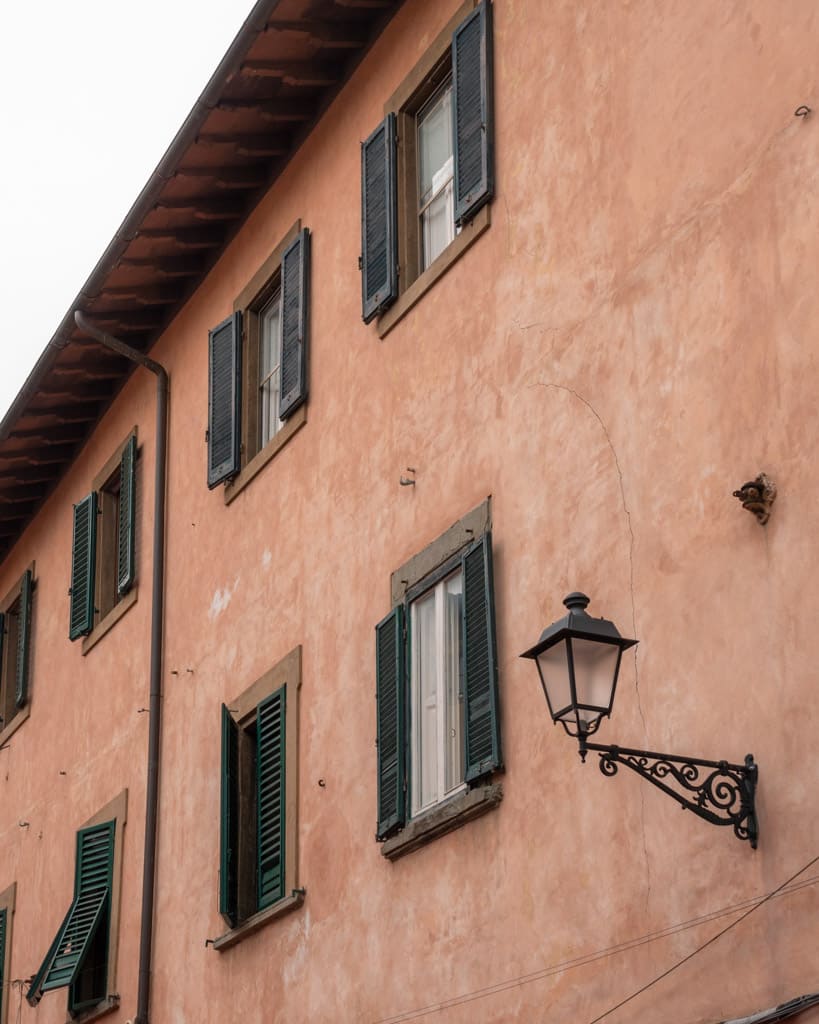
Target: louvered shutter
126,521
472,121
224,399
2,646
23,641
88,912
270,798
83,566
390,699
479,662
3,931
229,841
295,324
379,220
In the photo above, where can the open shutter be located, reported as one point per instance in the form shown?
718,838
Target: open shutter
88,911
379,220
83,566
126,517
472,118
3,931
390,697
270,802
479,663
295,324
229,842
23,641
224,399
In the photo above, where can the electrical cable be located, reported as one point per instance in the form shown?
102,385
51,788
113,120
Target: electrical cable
705,945
588,958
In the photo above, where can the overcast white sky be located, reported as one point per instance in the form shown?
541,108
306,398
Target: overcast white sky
91,94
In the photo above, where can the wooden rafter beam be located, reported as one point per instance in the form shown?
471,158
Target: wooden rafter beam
255,145
186,238
316,74
276,111
228,177
142,295
343,35
165,266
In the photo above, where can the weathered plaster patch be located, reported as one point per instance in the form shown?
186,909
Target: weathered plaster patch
221,599
267,558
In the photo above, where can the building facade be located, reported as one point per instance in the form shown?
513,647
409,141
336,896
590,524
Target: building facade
464,306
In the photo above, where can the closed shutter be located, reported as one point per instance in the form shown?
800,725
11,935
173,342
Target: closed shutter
270,798
390,699
23,641
379,220
126,524
2,642
224,399
472,122
295,324
479,664
229,841
83,566
87,913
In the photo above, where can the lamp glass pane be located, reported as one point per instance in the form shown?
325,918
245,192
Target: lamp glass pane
554,673
594,673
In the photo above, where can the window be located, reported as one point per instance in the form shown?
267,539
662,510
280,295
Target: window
7,899
258,876
427,170
103,564
258,367
15,644
82,956
436,680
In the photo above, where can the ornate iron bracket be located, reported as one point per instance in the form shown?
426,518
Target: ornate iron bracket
720,792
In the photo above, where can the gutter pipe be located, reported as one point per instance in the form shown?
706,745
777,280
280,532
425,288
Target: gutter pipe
157,623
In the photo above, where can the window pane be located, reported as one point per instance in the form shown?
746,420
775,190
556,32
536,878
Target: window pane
435,170
269,369
453,618
434,140
424,702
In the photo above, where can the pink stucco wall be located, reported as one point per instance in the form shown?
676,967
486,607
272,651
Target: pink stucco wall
632,339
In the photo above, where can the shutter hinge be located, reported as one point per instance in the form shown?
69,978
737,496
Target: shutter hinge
207,436
360,262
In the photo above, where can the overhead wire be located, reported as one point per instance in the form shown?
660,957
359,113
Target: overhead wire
587,958
706,944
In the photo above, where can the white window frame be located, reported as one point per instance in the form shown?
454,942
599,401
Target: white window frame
445,185
272,378
445,706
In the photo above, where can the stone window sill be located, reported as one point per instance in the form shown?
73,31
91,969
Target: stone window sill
103,1008
257,921
443,818
470,233
261,459
110,620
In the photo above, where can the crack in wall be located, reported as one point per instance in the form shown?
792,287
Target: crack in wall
571,391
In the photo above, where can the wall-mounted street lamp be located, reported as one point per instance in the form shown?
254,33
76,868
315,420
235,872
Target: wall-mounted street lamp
578,659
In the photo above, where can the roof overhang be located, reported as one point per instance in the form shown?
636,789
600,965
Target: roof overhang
283,69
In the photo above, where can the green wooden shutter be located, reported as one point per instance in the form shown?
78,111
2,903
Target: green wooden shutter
126,522
3,932
270,798
83,567
229,832
224,399
472,121
88,911
23,641
295,324
390,701
479,662
379,220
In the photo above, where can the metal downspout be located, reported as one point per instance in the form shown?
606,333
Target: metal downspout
157,622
